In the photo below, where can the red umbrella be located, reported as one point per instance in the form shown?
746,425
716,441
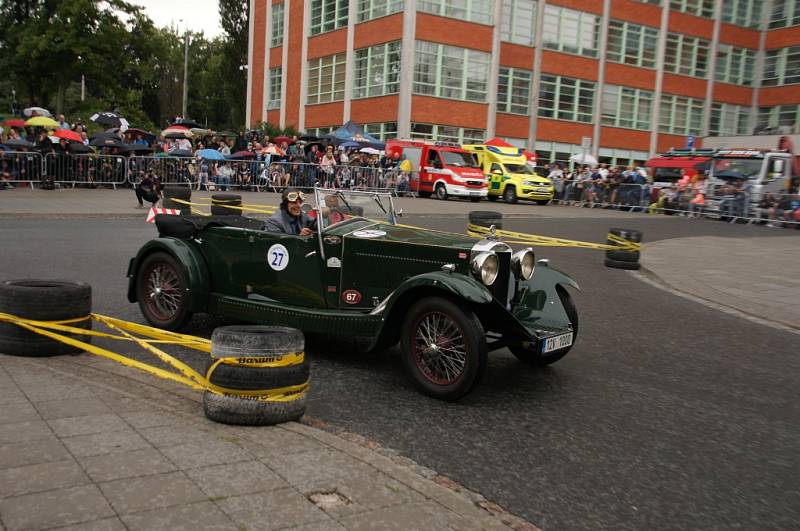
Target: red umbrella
68,135
280,139
14,123
243,155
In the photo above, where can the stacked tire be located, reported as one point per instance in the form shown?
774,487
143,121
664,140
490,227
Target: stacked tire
178,191
486,218
226,204
258,375
623,259
44,300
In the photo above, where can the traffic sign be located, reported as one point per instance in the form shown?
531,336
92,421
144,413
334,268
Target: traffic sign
690,142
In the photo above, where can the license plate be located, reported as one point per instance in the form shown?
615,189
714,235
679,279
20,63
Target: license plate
474,193
557,342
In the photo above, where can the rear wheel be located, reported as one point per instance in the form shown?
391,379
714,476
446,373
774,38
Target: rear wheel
510,195
534,357
161,289
444,348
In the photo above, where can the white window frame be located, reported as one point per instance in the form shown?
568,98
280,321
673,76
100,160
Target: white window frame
778,62
745,13
277,25
326,79
275,86
698,8
518,24
557,25
728,119
618,99
680,115
477,11
375,61
687,47
785,13
447,133
515,78
372,9
735,65
561,108
328,15
639,36
382,130
458,73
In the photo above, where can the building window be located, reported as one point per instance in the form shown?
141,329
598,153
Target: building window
326,79
735,65
700,8
513,90
479,11
686,55
745,13
370,9
556,152
626,107
782,66
275,84
632,44
450,72
382,131
321,131
377,70
784,13
328,15
680,115
277,25
621,157
783,119
567,30
565,98
727,119
519,21
447,133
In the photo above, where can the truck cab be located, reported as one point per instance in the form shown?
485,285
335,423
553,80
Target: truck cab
509,174
444,169
759,171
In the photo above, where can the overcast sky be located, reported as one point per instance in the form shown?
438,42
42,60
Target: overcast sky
199,15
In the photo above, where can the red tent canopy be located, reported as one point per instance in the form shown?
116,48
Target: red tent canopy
499,142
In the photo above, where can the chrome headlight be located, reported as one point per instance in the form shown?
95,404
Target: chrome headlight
486,266
523,262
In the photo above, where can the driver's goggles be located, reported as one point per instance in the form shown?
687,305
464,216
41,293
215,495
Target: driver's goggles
294,196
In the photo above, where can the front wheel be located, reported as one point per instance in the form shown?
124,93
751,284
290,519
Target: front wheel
510,195
543,202
161,289
444,348
533,357
475,199
441,192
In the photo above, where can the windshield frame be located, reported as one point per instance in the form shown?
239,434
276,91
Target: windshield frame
508,165
743,162
321,193
464,155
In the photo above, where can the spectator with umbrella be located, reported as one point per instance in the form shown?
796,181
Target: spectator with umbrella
110,119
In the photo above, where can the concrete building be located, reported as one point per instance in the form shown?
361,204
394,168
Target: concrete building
622,78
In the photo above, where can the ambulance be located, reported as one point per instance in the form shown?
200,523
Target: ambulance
509,174
444,169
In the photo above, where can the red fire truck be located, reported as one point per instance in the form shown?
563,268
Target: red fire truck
444,169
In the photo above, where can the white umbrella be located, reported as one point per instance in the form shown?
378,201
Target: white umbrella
38,110
583,158
370,151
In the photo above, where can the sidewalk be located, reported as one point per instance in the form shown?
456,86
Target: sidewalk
87,444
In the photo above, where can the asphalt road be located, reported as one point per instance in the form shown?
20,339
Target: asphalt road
665,415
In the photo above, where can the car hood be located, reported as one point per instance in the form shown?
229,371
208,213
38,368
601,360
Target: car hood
384,232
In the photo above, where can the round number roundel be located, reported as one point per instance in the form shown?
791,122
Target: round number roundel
351,296
278,257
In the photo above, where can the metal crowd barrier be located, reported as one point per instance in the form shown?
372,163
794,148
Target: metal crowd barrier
86,169
21,167
623,195
303,175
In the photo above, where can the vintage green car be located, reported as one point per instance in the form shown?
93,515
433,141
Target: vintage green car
448,299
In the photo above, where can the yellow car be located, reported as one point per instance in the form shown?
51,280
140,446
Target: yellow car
510,176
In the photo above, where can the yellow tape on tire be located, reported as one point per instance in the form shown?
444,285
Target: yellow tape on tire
508,236
185,374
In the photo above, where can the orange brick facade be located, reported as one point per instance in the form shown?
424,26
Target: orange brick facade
480,37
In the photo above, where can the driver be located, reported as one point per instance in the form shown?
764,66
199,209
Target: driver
291,219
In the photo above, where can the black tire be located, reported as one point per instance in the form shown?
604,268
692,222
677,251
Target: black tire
632,235
441,192
543,202
486,218
475,199
177,191
168,306
247,341
424,195
491,197
245,378
619,264
510,195
240,411
540,360
623,256
43,300
427,368
220,204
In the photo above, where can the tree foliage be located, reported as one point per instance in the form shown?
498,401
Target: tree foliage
128,64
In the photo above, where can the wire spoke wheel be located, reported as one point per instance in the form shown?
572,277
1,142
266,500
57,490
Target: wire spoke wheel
444,348
161,289
440,351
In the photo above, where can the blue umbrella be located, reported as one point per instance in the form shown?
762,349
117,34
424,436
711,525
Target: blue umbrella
211,154
349,144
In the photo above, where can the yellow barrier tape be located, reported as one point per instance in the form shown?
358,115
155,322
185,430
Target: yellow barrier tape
547,241
258,209
186,375
258,362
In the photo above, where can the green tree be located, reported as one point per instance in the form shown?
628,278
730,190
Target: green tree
234,20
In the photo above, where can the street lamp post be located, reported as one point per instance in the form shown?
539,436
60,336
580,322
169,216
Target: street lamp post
185,72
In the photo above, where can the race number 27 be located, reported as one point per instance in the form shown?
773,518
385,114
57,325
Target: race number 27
278,257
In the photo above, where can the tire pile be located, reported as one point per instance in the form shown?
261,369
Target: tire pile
623,259
254,364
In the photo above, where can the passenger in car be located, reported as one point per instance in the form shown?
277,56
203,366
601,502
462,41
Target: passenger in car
291,219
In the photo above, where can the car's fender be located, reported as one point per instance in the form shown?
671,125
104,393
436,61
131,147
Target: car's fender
453,285
188,256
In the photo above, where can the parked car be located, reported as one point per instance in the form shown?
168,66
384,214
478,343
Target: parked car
448,299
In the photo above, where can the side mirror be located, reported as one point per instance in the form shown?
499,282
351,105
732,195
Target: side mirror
777,166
